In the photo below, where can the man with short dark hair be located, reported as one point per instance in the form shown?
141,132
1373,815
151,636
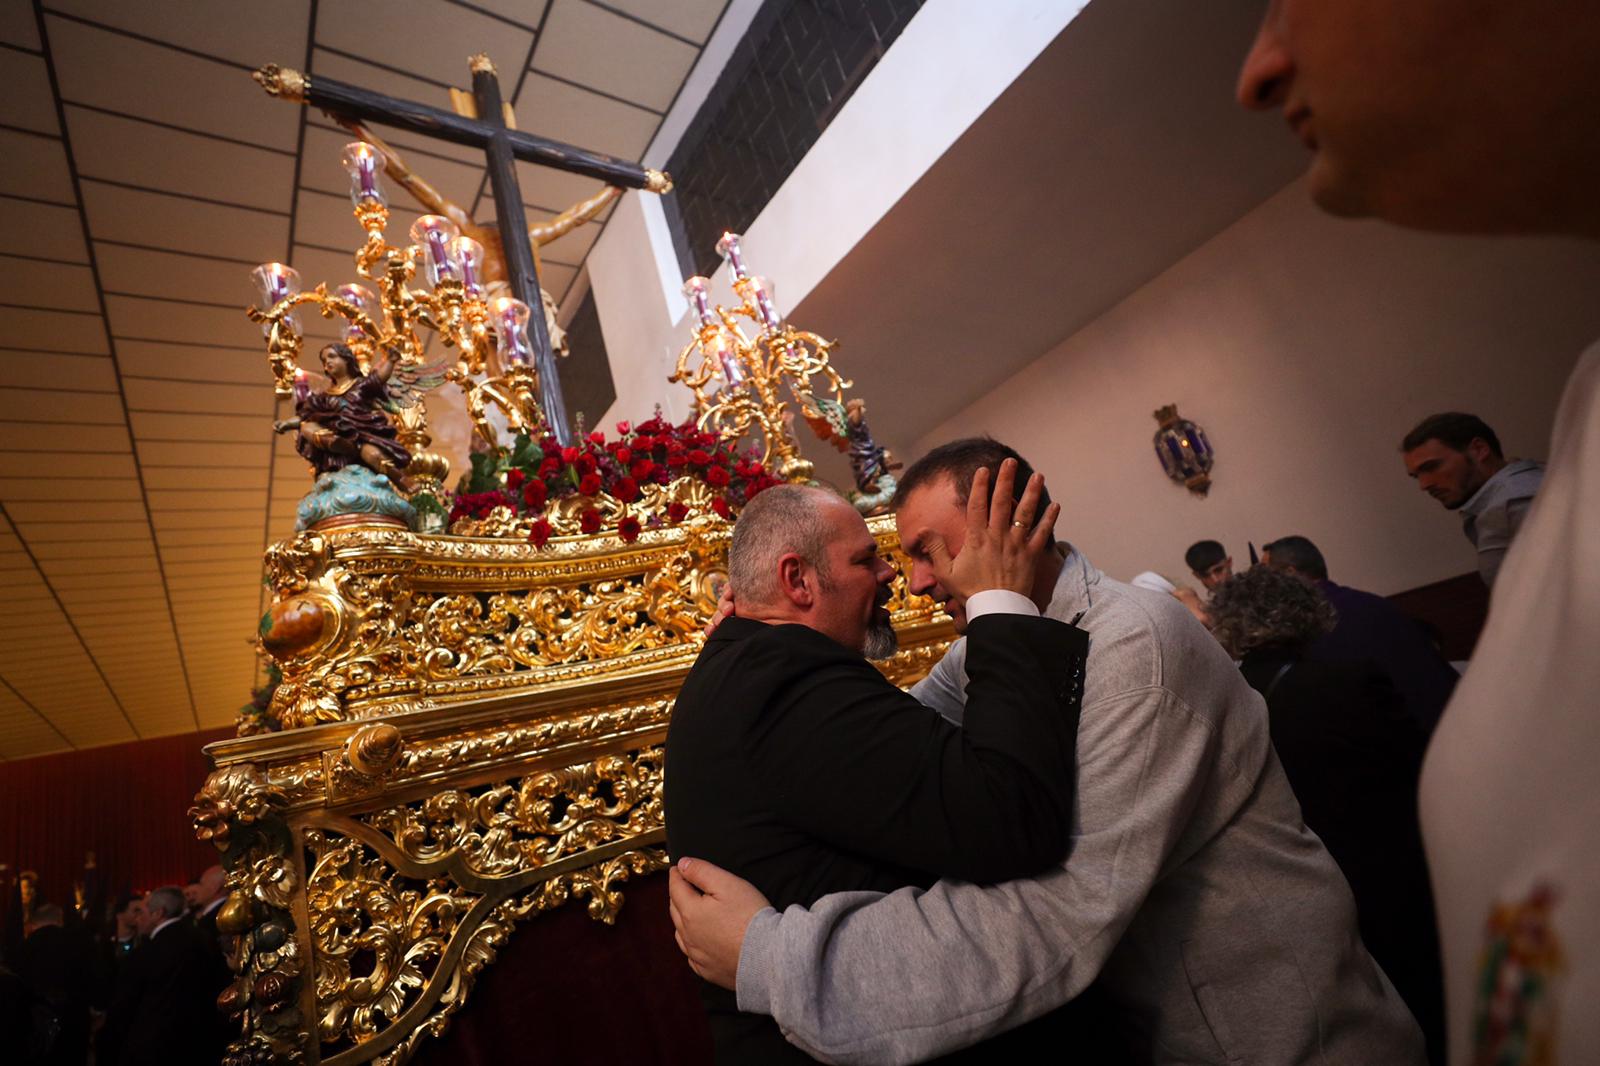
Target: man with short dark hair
798,765
1479,118
1370,628
1456,459
1210,563
1213,922
57,962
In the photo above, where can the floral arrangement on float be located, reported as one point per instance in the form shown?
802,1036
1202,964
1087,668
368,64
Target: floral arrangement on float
651,475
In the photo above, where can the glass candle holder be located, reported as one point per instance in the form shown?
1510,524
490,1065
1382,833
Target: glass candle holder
364,162
728,358
761,289
510,318
366,303
728,247
696,290
434,233
277,282
302,387
467,254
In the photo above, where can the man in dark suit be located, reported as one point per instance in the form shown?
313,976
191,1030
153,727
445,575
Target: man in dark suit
1370,628
57,964
161,1011
795,763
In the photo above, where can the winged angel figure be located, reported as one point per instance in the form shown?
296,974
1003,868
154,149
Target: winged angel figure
350,423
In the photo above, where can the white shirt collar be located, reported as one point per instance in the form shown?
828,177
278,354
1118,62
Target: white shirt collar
157,930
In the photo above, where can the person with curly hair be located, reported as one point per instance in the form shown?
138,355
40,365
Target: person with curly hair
1353,757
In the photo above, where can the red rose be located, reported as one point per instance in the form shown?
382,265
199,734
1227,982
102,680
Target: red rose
589,520
676,512
677,459
597,437
624,456
628,528
550,446
756,469
642,469
624,428
569,455
534,495
539,533
590,484
699,458
587,464
626,490
717,476
674,446
720,506
514,479
551,465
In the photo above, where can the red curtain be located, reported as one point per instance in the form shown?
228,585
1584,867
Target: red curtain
127,803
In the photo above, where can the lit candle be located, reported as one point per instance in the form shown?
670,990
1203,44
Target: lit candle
695,290
363,162
468,256
366,303
728,248
763,292
302,387
511,331
277,282
732,372
434,233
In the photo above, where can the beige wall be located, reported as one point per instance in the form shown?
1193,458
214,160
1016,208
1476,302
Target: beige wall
1306,347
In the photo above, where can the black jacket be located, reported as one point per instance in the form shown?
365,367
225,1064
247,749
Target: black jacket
1353,755
163,1007
792,762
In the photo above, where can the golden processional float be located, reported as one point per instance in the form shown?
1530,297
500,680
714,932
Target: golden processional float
472,689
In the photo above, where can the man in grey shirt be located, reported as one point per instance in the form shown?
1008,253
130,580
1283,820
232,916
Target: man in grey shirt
1209,915
1456,459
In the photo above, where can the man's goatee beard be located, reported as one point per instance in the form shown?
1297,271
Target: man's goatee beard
882,641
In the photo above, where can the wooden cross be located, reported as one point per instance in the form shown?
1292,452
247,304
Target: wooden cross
502,146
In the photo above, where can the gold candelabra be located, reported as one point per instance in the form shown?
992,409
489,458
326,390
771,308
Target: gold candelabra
738,380
488,353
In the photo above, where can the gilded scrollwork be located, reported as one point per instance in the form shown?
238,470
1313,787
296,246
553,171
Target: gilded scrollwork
523,825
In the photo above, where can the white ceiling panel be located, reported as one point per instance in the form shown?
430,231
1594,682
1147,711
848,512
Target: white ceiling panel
36,167
110,70
136,153
247,34
40,437
199,427
142,272
436,41
155,318
205,477
18,25
156,220
53,331
50,285
67,488
42,405
90,373
27,102
27,228
154,359
615,55
94,466
566,113
694,19
548,192
526,13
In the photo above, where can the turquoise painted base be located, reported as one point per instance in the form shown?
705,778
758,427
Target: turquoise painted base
355,490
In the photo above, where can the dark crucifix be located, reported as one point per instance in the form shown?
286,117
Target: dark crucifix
502,146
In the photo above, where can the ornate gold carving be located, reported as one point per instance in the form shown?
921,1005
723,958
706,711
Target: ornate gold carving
282,81
232,797
373,749
658,181
480,63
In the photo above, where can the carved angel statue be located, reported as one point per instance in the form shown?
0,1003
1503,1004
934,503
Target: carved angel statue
348,423
489,235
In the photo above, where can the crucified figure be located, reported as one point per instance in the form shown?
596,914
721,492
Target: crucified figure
488,235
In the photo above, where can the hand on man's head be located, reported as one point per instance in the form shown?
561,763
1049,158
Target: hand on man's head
1003,548
724,608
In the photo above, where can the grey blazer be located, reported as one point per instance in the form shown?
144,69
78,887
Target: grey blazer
1214,919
